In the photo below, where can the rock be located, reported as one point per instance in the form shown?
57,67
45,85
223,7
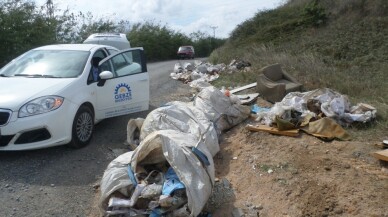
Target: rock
237,212
258,207
226,183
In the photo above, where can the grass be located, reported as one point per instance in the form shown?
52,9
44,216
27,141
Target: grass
348,54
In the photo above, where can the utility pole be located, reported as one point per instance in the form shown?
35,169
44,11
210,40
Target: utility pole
50,8
214,30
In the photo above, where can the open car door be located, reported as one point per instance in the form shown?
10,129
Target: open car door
124,84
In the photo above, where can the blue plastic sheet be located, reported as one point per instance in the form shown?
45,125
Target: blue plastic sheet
257,109
171,182
132,176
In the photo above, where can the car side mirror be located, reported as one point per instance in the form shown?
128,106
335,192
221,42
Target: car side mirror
103,77
106,75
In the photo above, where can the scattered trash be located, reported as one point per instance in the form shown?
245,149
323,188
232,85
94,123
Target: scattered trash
257,109
327,129
304,109
170,172
206,72
243,88
246,99
385,142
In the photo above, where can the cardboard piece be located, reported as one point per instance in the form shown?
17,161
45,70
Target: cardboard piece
381,155
273,130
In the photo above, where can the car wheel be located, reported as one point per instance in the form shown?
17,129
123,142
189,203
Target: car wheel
83,127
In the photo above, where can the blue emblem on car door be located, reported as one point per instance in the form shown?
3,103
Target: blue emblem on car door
122,93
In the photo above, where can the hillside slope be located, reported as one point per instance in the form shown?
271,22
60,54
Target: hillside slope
341,45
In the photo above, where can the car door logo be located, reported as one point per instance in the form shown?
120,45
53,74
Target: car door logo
123,93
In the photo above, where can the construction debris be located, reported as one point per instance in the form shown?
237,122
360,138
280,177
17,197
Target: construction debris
171,171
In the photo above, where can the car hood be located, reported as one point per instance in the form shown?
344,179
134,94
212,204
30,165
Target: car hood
16,91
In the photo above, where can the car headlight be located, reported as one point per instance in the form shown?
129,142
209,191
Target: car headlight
40,105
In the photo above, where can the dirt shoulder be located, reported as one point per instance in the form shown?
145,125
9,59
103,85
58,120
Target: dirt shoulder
284,176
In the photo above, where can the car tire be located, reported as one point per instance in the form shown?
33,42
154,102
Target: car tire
83,127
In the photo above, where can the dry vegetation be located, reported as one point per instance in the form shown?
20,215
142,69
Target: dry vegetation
341,45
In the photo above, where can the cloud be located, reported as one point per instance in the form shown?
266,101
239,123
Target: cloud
180,15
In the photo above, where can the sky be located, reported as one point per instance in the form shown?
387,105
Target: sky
214,17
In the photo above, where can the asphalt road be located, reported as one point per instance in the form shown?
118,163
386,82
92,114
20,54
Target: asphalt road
60,181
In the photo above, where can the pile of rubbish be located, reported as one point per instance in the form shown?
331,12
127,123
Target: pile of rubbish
206,72
171,171
320,112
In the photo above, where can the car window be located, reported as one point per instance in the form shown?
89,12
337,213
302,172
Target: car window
185,48
100,53
97,56
126,63
48,63
112,51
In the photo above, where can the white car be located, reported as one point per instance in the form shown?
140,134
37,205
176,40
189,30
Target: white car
48,96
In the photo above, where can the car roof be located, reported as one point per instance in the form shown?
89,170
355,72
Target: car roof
80,47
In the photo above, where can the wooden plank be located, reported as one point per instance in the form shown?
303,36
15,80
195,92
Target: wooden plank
273,130
243,88
381,155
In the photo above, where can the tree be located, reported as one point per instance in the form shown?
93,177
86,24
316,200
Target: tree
22,27
158,41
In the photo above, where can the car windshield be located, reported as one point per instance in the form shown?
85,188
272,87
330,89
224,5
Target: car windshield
184,48
47,63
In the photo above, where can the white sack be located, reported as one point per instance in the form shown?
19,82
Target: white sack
178,68
183,118
175,148
133,132
219,108
115,178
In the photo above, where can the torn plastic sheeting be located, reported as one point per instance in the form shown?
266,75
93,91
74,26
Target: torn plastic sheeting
171,182
199,84
220,109
188,66
178,68
184,118
257,109
175,148
202,69
116,179
332,104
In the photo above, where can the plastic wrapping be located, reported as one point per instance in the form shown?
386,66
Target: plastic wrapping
327,101
184,118
175,148
220,109
116,178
